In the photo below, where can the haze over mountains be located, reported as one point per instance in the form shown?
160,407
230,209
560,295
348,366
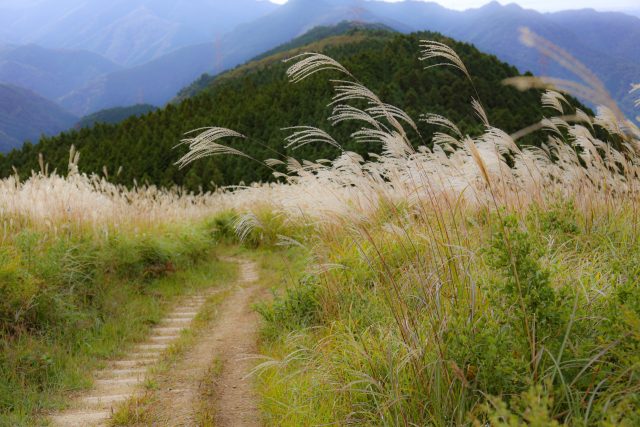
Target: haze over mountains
89,55
51,73
128,32
26,115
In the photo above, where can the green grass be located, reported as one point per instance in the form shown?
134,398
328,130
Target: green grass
70,303
141,410
530,318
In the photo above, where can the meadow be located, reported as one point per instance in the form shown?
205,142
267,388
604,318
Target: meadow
466,280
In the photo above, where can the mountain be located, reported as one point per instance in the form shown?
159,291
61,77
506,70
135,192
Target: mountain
25,115
313,35
632,12
115,115
50,73
128,32
158,81
257,100
610,46
607,43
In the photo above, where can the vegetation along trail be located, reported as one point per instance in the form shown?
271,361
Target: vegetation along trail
216,363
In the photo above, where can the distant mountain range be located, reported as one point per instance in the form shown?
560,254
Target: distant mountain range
258,100
634,12
146,51
128,32
25,115
610,47
51,73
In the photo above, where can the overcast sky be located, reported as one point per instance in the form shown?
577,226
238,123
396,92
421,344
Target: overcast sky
541,5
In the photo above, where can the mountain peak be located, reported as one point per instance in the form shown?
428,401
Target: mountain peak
494,5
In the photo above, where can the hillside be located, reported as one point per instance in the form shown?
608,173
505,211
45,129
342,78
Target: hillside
51,73
610,48
258,100
157,82
115,115
313,35
25,115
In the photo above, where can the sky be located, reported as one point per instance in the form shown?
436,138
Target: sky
541,5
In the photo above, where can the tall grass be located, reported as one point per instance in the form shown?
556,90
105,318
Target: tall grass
465,280
86,268
470,281
68,301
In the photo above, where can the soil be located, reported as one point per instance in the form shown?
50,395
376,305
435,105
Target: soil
229,340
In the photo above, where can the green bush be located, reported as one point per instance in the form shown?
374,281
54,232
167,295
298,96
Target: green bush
222,227
298,308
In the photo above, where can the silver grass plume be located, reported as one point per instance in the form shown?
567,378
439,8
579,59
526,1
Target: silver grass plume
501,140
477,157
393,143
433,49
274,162
286,241
384,110
245,224
41,164
580,90
445,141
549,125
480,112
592,87
348,91
438,120
583,117
74,159
304,135
554,100
562,57
309,63
579,117
343,112
205,144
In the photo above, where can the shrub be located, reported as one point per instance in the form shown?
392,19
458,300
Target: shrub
297,309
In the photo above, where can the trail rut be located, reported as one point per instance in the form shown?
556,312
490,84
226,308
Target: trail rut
229,339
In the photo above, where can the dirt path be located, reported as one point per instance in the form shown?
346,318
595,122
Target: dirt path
229,340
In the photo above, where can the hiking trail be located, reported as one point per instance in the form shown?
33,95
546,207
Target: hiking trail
229,339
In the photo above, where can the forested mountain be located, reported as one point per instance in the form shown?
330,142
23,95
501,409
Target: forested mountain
608,43
313,35
26,116
128,32
158,81
609,47
258,101
115,115
51,73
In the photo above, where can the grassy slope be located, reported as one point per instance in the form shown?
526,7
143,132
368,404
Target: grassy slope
69,303
411,333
